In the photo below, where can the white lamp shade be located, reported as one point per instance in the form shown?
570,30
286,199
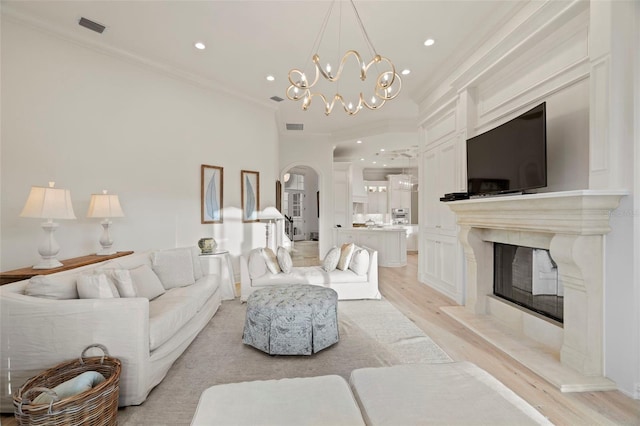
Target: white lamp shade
270,213
48,203
105,205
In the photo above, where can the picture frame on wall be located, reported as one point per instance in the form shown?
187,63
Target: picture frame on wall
250,185
211,184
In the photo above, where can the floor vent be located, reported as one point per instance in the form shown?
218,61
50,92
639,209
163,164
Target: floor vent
93,26
295,126
276,98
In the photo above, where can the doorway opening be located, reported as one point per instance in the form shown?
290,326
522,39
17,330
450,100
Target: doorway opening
300,206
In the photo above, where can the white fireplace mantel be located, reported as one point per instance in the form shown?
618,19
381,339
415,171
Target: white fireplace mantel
570,224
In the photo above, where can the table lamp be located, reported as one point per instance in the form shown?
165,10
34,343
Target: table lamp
269,216
48,203
105,206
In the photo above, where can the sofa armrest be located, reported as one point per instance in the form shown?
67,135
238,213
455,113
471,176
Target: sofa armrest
40,333
245,279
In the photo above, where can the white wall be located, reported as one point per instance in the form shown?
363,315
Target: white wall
91,121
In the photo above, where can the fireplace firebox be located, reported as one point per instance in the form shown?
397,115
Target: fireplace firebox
528,277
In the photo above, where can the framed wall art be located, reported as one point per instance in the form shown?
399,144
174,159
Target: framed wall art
211,181
250,184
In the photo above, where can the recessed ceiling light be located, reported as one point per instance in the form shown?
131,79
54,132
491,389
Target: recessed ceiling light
429,42
373,162
358,141
270,78
200,45
381,149
406,72
384,165
362,159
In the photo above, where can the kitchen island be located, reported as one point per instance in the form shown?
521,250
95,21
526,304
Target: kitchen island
389,241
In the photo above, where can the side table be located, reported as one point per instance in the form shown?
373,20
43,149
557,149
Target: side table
220,262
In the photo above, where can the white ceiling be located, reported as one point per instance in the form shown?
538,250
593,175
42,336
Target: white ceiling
248,40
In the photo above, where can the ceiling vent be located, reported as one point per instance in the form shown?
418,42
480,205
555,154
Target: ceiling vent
295,126
93,26
276,98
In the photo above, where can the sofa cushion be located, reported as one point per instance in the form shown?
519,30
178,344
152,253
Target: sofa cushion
173,267
330,261
315,275
256,264
122,279
360,261
96,286
271,260
146,282
176,307
284,260
346,252
58,287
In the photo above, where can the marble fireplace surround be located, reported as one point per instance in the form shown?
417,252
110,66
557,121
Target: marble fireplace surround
572,225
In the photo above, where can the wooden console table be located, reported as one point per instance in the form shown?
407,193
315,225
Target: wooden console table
76,262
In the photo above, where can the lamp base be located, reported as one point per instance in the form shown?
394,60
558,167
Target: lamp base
106,252
49,263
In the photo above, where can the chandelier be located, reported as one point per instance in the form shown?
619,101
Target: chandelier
387,83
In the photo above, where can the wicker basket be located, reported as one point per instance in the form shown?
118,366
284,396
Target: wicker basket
97,406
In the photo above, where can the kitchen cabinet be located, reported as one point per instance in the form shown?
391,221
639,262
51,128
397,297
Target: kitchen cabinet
399,192
376,197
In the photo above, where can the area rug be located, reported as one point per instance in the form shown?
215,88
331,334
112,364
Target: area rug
373,333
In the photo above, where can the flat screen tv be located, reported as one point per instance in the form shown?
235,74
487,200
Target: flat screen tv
511,157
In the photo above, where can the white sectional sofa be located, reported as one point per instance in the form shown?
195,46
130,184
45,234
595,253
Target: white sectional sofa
46,323
348,284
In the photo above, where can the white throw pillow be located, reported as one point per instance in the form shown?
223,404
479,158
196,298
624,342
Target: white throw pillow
360,262
331,259
47,287
346,252
256,263
122,279
284,260
146,282
96,286
81,383
173,267
271,260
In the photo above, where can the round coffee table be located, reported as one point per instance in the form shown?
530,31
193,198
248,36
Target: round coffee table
295,319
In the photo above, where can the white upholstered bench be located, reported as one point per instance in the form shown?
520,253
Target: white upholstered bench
456,393
303,401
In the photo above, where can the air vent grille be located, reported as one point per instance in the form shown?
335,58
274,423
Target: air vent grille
295,126
276,98
93,26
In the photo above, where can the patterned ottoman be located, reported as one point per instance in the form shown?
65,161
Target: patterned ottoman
292,320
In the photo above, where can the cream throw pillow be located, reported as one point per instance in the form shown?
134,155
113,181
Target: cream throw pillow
96,286
257,264
47,287
360,261
346,252
122,279
271,260
331,259
284,260
173,267
146,282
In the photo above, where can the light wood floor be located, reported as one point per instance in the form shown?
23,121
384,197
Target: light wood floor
422,305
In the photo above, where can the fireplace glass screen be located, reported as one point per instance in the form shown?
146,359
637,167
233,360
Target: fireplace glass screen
528,277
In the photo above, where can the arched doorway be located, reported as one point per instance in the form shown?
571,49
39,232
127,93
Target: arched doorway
300,206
